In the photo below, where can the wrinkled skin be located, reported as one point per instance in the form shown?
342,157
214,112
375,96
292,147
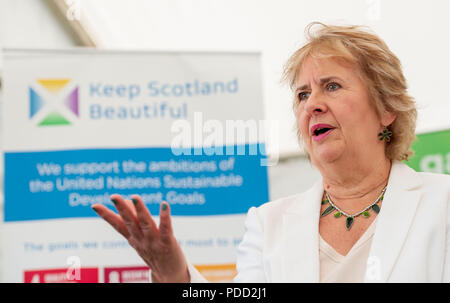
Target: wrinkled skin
157,246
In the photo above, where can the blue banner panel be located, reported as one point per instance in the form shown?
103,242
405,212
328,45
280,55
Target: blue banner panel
195,182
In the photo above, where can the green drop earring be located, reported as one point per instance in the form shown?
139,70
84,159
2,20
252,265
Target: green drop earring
385,135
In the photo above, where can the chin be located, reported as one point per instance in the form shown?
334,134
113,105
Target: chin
329,158
327,155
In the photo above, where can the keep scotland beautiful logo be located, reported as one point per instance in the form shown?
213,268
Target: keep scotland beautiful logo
53,102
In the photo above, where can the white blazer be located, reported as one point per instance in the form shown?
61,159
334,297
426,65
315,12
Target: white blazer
410,244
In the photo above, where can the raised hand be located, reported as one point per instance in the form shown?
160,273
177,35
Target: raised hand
156,246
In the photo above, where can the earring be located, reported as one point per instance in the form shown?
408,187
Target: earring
385,134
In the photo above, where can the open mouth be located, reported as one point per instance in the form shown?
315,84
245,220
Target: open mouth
321,130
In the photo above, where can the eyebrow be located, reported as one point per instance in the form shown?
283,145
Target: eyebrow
322,81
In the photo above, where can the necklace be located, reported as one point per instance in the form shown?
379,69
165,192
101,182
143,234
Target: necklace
351,218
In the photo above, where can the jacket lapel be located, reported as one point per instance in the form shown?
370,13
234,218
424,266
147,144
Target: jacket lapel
300,251
396,215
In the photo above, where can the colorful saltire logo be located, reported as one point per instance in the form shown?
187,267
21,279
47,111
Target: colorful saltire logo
53,102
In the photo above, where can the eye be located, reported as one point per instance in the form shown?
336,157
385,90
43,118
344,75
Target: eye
332,86
303,96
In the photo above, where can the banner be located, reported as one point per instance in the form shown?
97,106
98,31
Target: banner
181,127
432,152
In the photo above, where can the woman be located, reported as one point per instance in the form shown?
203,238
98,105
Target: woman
369,218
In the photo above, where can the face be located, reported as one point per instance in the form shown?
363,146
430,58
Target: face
334,114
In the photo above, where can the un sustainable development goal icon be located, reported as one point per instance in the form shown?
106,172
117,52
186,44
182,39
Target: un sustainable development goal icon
53,102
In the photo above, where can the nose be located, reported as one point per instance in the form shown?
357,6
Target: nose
315,105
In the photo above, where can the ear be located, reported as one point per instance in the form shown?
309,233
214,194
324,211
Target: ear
388,118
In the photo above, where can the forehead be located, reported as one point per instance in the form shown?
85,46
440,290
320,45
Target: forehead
313,69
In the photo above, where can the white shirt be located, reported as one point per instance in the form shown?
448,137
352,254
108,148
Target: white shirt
351,268
411,241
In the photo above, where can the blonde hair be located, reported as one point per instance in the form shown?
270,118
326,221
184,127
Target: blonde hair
378,67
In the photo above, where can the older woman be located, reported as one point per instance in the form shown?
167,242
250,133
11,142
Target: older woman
369,218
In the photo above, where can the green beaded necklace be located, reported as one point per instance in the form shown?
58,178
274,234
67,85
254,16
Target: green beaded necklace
351,218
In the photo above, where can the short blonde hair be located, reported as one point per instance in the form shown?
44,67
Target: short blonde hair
378,67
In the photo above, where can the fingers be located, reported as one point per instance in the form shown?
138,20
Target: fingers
112,218
136,221
147,224
129,218
165,222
